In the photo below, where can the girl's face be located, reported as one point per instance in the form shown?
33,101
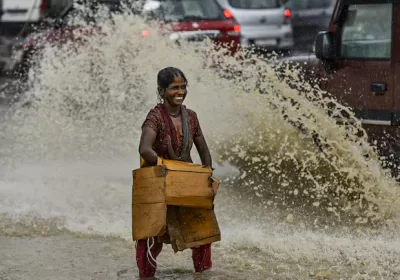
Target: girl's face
176,92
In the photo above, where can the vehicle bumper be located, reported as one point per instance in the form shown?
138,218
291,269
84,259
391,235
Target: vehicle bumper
269,38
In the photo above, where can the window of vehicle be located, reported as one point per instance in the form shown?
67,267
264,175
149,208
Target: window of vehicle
319,4
367,32
254,4
188,10
56,7
296,5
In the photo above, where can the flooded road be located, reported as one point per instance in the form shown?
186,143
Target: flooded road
262,249
267,248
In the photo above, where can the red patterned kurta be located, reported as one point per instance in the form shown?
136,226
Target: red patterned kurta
156,121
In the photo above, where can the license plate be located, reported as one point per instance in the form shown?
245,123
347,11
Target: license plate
266,42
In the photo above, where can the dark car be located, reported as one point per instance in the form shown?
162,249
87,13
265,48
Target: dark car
59,29
357,62
19,18
308,18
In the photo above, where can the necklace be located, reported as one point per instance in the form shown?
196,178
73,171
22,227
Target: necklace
176,115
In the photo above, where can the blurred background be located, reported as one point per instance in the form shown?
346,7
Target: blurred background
288,26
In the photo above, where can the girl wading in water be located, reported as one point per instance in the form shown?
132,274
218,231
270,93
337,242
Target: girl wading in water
169,131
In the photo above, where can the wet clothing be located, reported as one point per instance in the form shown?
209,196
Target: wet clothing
171,144
159,120
147,266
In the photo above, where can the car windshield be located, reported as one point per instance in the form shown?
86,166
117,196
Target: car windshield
254,4
187,10
86,14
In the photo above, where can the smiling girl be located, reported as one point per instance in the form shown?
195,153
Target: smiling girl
169,131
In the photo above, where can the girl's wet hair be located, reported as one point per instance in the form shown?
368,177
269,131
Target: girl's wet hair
167,75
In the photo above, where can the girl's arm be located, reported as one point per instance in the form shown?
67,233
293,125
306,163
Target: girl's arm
146,146
202,148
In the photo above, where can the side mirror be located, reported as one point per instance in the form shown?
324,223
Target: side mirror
326,46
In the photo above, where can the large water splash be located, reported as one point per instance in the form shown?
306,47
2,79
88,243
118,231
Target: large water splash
87,102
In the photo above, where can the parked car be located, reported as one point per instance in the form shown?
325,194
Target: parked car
19,19
195,20
308,18
56,29
356,61
265,24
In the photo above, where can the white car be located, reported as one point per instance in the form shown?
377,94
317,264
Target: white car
265,24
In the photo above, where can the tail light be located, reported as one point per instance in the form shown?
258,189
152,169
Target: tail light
235,30
288,14
236,27
228,14
44,4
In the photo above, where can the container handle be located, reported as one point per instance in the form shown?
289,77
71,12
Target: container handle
143,163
